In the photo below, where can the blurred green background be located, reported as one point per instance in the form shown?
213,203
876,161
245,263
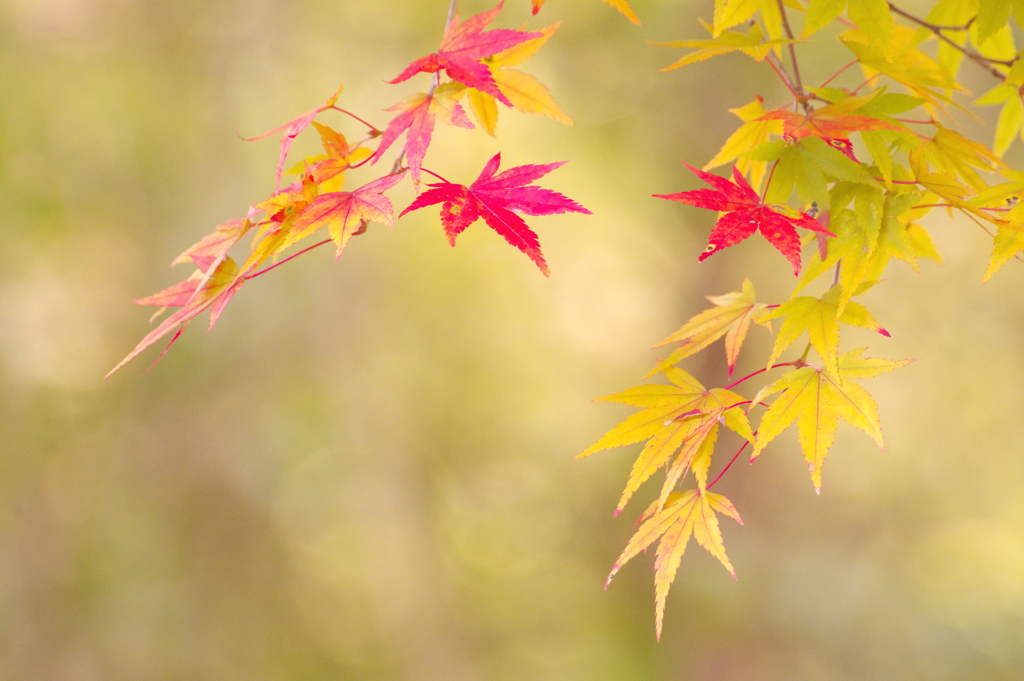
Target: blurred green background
366,470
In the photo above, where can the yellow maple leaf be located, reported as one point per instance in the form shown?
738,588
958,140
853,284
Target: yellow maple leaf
690,513
819,398
526,93
751,44
731,317
752,134
819,318
678,420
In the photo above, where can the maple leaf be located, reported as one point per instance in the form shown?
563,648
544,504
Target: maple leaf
958,156
753,133
690,513
494,198
753,45
625,10
525,92
217,243
292,129
417,116
905,64
872,17
830,122
463,47
819,398
1009,240
745,213
681,417
820,318
328,169
344,212
731,317
211,286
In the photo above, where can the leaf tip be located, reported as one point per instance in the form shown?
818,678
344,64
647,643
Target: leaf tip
885,333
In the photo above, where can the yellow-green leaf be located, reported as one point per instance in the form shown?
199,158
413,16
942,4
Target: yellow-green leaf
818,398
485,109
873,18
731,317
820,13
751,135
729,13
819,318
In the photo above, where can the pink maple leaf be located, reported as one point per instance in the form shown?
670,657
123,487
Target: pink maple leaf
463,47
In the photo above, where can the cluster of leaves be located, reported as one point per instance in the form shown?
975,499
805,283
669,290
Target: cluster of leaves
477,64
848,170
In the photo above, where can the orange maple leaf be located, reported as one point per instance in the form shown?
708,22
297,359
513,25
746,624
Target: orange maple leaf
829,123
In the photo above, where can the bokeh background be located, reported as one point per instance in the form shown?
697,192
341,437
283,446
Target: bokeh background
366,470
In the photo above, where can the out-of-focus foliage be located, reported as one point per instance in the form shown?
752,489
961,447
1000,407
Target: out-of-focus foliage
365,471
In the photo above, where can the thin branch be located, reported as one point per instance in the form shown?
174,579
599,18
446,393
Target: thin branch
836,74
800,94
866,82
768,182
294,255
780,71
729,465
835,276
431,172
980,60
759,371
373,128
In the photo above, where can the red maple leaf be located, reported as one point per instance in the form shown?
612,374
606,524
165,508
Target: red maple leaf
494,198
464,45
744,213
417,116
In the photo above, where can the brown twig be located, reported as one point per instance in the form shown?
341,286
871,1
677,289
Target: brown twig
797,82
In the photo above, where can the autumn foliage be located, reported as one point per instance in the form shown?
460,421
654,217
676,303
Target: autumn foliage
845,171
837,179
474,60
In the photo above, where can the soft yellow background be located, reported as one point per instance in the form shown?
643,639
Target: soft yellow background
365,471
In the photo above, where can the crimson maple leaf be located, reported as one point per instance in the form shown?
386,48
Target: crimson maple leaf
463,47
744,213
494,198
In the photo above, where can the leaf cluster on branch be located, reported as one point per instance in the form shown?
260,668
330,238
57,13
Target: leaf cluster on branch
846,169
476,61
